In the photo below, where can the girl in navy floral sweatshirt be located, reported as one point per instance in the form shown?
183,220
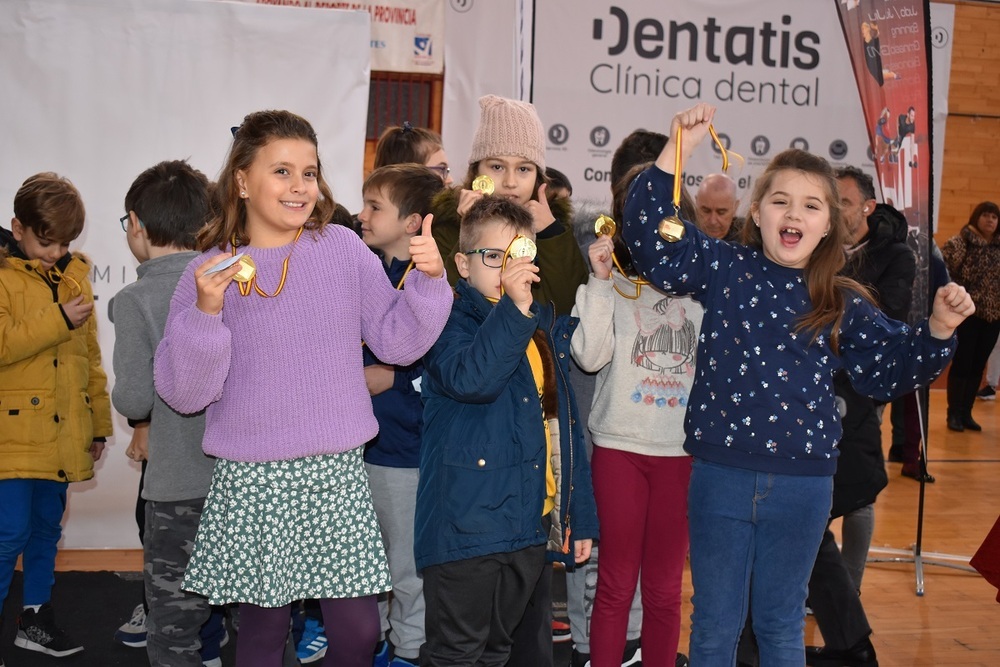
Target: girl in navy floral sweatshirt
762,424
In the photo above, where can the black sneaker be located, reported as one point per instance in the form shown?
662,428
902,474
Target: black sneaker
633,653
631,656
578,659
987,393
37,631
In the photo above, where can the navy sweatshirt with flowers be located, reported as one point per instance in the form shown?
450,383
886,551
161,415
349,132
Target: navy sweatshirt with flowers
763,394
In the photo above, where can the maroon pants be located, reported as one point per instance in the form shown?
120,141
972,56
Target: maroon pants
642,507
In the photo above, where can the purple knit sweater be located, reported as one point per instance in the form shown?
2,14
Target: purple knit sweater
282,378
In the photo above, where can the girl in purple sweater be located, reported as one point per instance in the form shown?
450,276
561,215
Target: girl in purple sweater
273,356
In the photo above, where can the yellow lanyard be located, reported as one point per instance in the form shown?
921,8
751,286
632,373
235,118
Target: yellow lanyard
55,276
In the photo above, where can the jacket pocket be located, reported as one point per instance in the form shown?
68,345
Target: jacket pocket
484,488
27,417
82,419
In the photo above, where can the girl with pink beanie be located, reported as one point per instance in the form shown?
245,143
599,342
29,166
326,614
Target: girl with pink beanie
509,148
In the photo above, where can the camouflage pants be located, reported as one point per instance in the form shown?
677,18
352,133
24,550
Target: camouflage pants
175,616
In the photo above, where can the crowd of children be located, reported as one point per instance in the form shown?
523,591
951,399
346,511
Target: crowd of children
383,421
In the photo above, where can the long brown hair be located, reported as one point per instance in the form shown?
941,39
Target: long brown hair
228,219
828,290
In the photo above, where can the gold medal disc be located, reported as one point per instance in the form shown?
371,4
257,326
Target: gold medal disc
247,269
605,226
671,229
483,184
522,246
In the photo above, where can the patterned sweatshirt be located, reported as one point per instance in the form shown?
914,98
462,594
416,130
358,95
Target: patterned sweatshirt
763,395
643,351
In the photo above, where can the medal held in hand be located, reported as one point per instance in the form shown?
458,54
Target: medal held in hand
671,229
605,226
483,184
520,246
247,270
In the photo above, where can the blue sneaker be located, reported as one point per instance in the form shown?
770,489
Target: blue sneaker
133,633
381,658
313,645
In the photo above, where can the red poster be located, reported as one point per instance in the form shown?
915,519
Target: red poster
889,47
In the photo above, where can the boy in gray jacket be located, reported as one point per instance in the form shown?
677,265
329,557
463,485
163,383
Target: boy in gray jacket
166,205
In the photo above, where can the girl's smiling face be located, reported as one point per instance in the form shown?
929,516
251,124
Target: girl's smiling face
793,217
513,177
281,187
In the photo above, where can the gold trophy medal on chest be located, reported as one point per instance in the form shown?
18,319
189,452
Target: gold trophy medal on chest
483,184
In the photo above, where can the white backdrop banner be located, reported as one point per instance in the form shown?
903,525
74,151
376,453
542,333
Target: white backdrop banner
406,35
777,70
99,90
488,51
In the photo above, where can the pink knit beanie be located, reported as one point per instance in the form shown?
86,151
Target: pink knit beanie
508,127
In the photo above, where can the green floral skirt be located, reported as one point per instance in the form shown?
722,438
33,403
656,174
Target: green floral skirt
275,532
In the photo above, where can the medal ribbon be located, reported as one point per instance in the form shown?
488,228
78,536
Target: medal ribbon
245,288
677,162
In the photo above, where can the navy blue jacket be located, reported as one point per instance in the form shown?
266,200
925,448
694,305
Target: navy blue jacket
398,410
482,465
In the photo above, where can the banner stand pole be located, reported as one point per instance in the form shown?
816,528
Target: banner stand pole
915,554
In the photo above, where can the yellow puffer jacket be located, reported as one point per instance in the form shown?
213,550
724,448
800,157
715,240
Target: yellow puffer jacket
53,391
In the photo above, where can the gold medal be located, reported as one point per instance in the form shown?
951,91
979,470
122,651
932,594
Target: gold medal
483,184
522,246
247,270
604,226
671,229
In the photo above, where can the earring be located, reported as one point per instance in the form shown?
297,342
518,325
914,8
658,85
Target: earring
825,233
243,194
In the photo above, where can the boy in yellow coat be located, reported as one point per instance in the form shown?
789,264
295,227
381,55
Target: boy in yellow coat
54,407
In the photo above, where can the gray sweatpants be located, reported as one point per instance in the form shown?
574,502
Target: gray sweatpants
175,616
394,494
581,586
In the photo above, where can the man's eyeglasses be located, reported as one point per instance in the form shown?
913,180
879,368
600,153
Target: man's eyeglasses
492,257
442,170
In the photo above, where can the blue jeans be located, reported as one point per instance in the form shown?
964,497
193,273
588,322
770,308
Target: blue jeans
30,526
765,526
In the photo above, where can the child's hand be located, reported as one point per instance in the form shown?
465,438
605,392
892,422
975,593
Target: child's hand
138,447
952,304
601,261
694,124
212,287
466,198
517,279
77,311
379,378
424,251
96,449
581,550
540,210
